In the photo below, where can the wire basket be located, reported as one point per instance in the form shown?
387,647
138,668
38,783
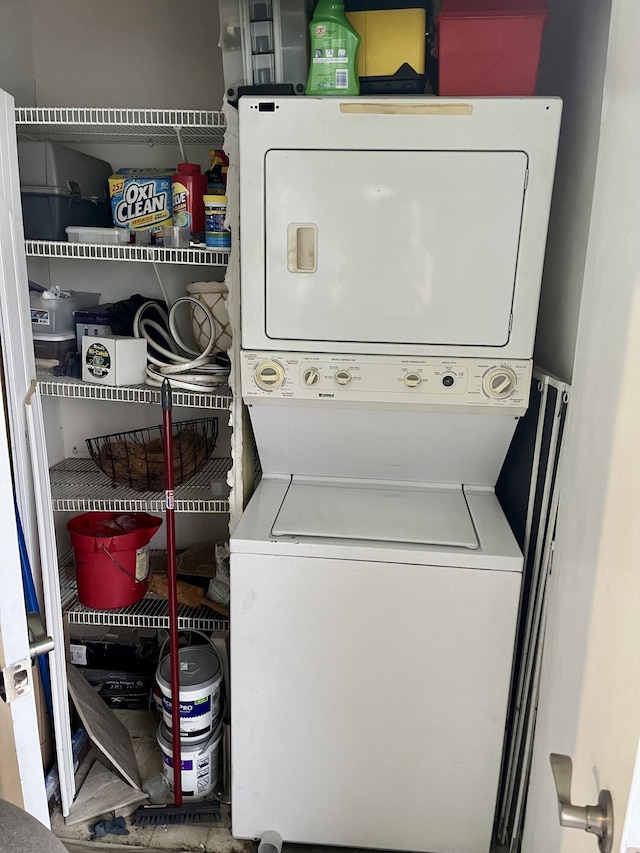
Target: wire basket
136,458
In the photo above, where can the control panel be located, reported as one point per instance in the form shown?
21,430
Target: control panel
353,379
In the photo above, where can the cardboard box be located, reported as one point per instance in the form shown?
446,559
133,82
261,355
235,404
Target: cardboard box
119,662
114,360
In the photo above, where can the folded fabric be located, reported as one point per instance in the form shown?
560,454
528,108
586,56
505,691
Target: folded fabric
118,826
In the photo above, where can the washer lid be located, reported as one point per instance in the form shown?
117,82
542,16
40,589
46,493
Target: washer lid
369,510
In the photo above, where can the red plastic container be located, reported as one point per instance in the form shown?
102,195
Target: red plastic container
112,562
489,47
188,186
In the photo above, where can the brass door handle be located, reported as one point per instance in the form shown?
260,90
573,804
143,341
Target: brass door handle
596,819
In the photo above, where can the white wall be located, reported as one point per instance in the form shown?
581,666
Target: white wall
571,66
150,53
591,673
16,53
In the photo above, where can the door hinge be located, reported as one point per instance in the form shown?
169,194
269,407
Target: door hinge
16,680
526,178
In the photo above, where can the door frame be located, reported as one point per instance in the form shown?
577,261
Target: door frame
591,666
14,650
26,450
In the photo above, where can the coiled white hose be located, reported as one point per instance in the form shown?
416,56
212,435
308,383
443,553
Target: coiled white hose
172,357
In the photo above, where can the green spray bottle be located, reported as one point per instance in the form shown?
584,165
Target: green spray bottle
334,48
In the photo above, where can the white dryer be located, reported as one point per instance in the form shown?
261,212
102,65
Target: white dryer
399,227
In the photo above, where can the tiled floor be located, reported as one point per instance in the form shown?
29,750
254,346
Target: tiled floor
213,838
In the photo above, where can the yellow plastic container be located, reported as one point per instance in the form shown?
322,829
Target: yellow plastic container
392,54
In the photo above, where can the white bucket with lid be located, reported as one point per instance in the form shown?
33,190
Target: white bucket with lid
199,762
200,687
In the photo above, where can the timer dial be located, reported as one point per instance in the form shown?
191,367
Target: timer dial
500,383
311,376
269,374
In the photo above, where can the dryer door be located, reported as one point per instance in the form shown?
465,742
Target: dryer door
405,247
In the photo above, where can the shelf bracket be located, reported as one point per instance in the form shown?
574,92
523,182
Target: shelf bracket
178,131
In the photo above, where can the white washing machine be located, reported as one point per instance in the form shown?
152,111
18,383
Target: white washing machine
391,261
374,601
370,675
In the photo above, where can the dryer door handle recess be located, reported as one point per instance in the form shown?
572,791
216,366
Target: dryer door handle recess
302,247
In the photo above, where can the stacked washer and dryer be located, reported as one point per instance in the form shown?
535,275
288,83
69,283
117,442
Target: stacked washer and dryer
391,253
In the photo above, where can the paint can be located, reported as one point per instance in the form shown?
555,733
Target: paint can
198,761
200,688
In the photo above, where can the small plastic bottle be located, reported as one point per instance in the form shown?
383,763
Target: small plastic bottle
188,186
334,50
216,235
216,174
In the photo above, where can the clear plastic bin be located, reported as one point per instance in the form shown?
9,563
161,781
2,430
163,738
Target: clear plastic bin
55,316
260,10
262,37
265,42
264,72
110,236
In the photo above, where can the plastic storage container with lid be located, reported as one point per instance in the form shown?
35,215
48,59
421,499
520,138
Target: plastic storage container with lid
54,347
264,42
489,47
55,316
59,187
392,53
100,236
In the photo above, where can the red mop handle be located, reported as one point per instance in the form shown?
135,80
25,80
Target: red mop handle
174,649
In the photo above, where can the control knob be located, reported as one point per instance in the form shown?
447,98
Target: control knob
411,380
311,376
269,375
343,377
500,383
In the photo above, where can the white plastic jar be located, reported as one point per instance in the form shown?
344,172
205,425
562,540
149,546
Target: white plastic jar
215,213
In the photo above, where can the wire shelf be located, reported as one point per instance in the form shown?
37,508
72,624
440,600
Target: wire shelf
78,485
120,126
149,613
141,254
76,389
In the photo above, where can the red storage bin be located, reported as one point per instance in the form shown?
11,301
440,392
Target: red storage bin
490,47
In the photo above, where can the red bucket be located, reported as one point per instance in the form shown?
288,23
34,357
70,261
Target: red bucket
111,553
